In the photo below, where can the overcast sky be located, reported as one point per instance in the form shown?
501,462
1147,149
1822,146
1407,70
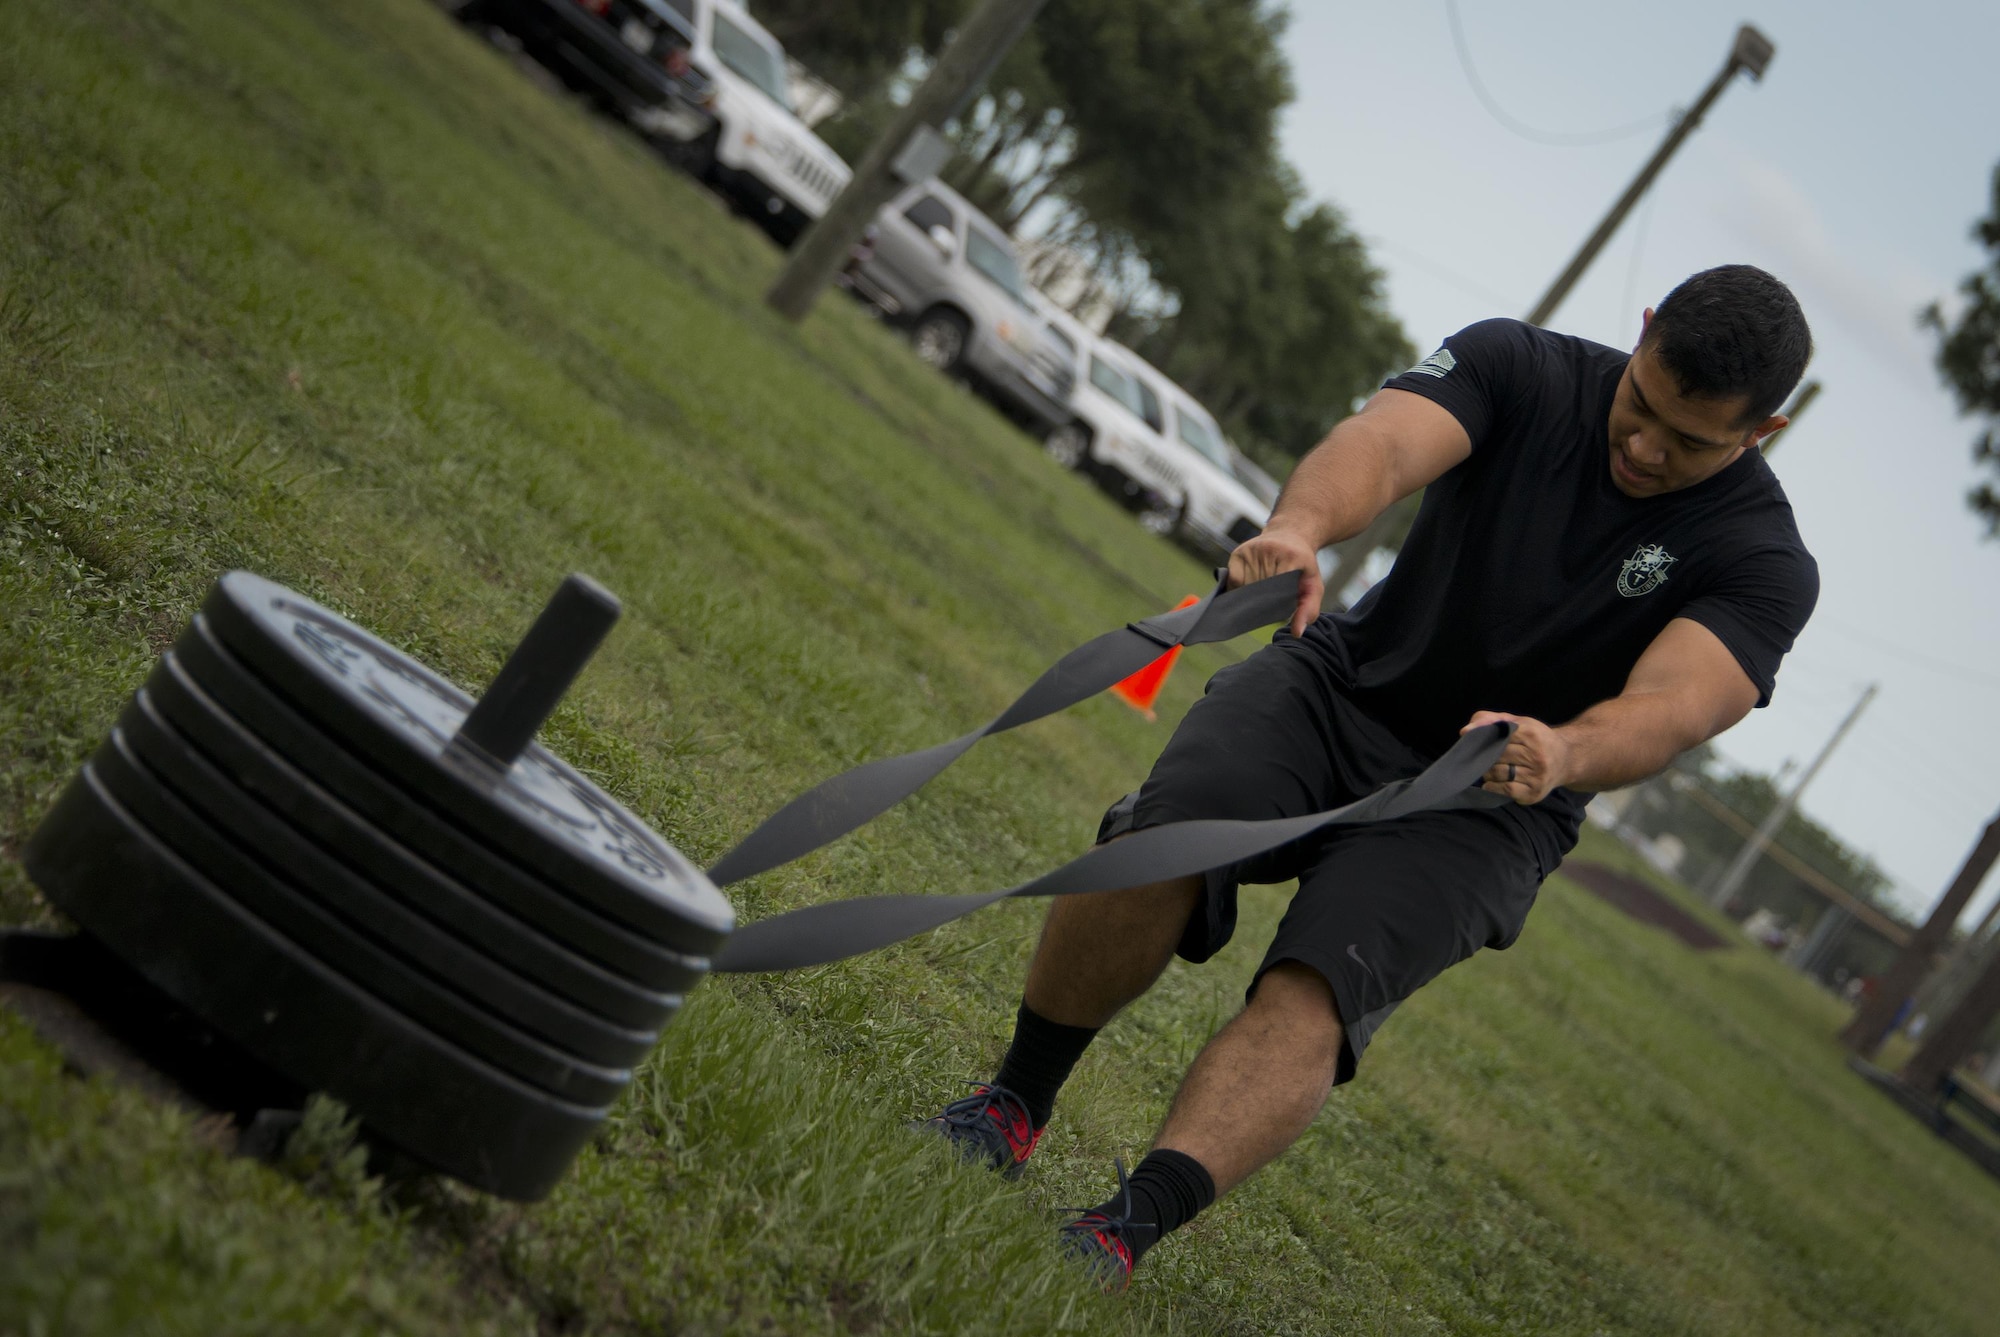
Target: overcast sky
1854,171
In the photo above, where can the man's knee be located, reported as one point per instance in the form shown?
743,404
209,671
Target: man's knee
1296,997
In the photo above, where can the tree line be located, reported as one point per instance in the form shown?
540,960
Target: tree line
1141,135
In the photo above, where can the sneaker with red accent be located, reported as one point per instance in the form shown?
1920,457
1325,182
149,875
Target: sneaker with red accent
1102,1241
991,1127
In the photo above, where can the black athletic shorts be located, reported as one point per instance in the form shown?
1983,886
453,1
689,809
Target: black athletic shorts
1381,909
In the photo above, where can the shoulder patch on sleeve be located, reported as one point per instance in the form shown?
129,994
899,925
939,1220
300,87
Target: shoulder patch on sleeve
1437,364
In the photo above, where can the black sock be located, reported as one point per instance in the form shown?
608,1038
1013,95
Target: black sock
1039,1060
1167,1189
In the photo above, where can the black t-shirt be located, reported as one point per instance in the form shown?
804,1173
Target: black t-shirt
1530,584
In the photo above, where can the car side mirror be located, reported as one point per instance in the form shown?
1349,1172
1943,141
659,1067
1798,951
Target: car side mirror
941,237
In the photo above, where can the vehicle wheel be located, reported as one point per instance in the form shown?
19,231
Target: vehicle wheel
1068,445
940,339
1162,518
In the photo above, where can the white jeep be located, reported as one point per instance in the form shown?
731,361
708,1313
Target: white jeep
759,153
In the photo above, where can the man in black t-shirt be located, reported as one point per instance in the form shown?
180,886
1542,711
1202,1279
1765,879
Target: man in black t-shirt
1602,557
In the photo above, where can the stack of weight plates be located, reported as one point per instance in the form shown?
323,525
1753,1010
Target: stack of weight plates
281,836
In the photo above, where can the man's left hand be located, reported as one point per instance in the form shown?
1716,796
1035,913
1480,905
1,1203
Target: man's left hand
1536,761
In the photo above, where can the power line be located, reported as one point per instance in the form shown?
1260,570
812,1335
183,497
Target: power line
1907,787
1935,665
1521,128
1436,270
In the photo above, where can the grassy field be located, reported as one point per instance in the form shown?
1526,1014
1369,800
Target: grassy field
332,292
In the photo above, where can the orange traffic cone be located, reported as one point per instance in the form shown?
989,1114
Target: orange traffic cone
1142,689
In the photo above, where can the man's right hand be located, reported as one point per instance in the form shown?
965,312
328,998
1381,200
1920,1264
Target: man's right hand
1272,553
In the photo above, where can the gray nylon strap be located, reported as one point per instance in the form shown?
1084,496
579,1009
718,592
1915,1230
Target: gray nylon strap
818,934
832,808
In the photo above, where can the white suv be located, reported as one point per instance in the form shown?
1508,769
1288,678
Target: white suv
936,264
1221,512
1110,437
759,152
1145,439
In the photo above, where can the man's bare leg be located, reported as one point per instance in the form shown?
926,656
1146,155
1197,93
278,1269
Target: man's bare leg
1260,1082
1252,1090
1101,951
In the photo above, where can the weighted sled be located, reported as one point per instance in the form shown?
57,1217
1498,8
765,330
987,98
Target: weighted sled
381,932
425,733
400,899
370,965
303,773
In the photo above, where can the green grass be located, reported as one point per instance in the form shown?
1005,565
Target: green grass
330,291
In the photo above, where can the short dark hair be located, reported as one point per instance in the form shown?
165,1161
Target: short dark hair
1733,332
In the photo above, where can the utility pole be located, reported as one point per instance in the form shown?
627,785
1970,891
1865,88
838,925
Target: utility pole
1878,1016
909,150
1750,53
1800,403
1753,848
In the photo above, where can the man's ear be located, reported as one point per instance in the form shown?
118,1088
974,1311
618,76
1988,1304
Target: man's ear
1645,319
1777,422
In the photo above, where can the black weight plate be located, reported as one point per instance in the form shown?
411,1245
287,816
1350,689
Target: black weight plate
335,827
400,715
314,929
411,1087
231,686
314,871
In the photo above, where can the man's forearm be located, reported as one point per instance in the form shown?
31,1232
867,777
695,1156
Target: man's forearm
1685,689
1336,490
1627,739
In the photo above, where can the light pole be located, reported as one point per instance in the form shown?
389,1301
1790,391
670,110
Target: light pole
909,150
1750,53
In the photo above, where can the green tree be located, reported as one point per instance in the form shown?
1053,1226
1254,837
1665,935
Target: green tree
1969,356
856,45
1282,322
1140,136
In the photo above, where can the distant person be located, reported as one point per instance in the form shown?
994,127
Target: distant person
1602,557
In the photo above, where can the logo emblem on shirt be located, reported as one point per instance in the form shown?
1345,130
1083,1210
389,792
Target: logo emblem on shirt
1437,364
1644,571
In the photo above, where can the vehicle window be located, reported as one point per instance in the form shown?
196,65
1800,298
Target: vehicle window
996,262
1117,384
744,53
1149,407
930,212
1199,435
